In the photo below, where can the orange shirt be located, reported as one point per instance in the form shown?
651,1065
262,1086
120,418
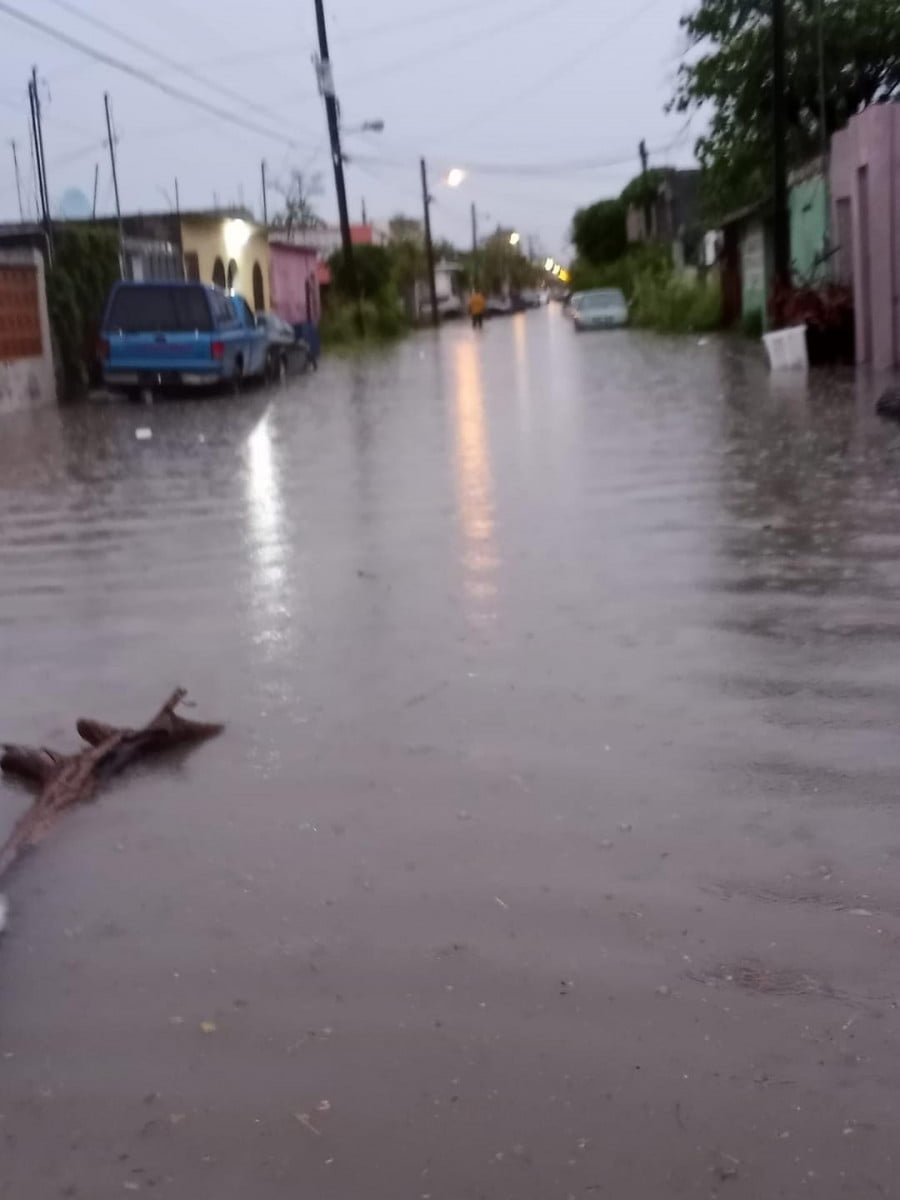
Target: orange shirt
477,304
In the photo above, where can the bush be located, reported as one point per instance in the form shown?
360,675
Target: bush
345,323
86,266
676,305
658,298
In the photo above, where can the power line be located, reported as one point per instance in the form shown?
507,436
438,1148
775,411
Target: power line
559,69
144,76
431,18
150,52
537,10
541,169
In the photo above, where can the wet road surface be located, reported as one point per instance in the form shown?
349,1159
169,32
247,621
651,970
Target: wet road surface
552,849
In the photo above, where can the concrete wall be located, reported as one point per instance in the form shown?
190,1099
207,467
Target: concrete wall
754,269
292,268
229,239
865,194
28,381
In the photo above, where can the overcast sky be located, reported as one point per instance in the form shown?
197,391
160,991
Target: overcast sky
542,101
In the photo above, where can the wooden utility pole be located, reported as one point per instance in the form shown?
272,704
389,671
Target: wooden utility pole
112,160
326,87
648,204
429,248
96,181
474,245
782,224
18,180
265,198
38,134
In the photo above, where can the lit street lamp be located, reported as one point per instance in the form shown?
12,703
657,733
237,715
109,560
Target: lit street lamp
455,176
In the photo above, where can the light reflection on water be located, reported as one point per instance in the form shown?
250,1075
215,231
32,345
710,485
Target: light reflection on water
475,486
266,533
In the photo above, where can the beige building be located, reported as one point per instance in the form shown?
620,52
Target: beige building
227,248
230,251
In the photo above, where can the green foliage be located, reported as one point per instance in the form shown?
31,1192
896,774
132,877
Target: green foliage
85,268
373,267
669,304
598,232
348,323
729,74
501,265
658,298
624,272
643,187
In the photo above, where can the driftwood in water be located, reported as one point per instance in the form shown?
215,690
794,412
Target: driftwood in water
69,779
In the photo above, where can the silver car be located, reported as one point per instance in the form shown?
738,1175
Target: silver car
605,308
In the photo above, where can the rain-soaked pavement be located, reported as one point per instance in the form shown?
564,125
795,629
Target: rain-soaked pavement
552,850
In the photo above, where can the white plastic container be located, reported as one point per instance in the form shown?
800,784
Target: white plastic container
787,350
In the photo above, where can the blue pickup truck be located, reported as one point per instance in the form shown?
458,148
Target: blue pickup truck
173,334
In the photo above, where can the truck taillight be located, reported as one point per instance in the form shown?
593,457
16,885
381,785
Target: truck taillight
103,349
217,350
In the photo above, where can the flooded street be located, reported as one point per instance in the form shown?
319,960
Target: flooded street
552,849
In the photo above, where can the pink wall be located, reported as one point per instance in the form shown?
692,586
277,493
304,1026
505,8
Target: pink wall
292,269
865,198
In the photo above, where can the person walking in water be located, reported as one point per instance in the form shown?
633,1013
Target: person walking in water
477,305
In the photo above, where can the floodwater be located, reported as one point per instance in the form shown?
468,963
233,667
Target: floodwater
553,846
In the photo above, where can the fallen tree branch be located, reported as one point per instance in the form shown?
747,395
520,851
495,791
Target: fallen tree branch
67,780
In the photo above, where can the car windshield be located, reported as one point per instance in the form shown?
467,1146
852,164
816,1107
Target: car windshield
609,298
156,309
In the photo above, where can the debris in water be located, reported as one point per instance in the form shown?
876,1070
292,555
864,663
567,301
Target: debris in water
502,903
4,912
323,1106
208,1026
304,1120
143,433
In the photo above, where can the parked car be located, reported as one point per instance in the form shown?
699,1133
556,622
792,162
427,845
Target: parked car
448,308
498,306
287,353
605,308
173,334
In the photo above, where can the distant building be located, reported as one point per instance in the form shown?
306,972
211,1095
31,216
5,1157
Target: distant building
671,216
221,246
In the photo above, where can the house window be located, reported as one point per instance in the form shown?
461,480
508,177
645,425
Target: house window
219,273
232,273
259,296
192,266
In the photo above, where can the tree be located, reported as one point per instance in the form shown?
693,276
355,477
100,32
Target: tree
598,232
406,229
502,265
729,74
297,196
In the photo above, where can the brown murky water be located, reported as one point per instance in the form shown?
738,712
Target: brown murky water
553,846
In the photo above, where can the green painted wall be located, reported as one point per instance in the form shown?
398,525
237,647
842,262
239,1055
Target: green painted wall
809,222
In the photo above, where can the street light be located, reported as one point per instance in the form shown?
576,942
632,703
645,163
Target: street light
514,239
455,176
549,264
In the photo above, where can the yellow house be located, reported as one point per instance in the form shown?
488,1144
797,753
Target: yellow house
231,251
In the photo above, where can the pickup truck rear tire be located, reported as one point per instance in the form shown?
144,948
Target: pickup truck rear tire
237,378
